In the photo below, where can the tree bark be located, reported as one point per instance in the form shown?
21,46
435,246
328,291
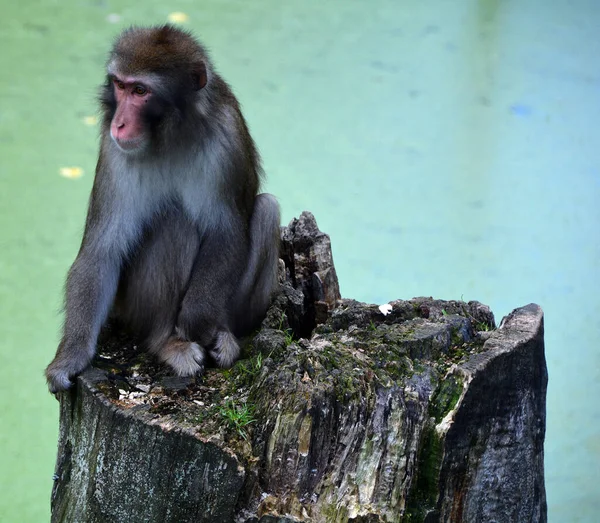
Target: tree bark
338,412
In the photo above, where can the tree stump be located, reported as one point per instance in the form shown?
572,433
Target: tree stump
339,411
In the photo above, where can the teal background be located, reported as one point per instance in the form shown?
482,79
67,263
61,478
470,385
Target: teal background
449,149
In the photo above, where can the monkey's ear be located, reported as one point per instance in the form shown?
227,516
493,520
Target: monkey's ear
199,76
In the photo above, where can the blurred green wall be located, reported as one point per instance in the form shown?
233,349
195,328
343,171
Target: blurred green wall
449,148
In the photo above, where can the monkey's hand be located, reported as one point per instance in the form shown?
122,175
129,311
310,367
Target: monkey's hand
60,372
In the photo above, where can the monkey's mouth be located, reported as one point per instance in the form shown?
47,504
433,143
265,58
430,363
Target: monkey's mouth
129,145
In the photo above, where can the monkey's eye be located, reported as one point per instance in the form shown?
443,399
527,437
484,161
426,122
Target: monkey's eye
119,84
140,90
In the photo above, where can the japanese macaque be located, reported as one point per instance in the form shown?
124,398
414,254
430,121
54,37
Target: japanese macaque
178,244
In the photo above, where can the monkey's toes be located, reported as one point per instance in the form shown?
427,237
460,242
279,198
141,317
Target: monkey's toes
186,358
226,350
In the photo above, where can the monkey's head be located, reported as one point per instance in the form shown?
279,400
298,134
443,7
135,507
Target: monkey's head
153,78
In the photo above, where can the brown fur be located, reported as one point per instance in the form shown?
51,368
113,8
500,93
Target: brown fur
178,244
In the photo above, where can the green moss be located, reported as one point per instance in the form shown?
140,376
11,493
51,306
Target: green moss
457,353
456,337
349,386
445,397
424,491
423,495
334,513
399,368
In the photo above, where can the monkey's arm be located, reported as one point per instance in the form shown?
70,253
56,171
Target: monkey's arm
90,289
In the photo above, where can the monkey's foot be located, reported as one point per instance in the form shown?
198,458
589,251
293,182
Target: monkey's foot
226,350
185,357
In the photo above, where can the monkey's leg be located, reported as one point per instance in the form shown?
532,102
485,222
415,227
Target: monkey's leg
260,277
254,293
152,289
204,316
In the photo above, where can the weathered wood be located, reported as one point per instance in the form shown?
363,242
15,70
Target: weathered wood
119,464
425,413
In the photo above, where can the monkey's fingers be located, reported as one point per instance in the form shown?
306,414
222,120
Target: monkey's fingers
58,380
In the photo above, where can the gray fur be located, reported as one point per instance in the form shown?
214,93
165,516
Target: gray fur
260,276
177,244
226,350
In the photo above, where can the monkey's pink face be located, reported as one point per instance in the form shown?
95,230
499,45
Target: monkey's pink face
127,128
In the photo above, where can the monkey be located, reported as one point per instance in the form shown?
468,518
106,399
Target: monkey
178,244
